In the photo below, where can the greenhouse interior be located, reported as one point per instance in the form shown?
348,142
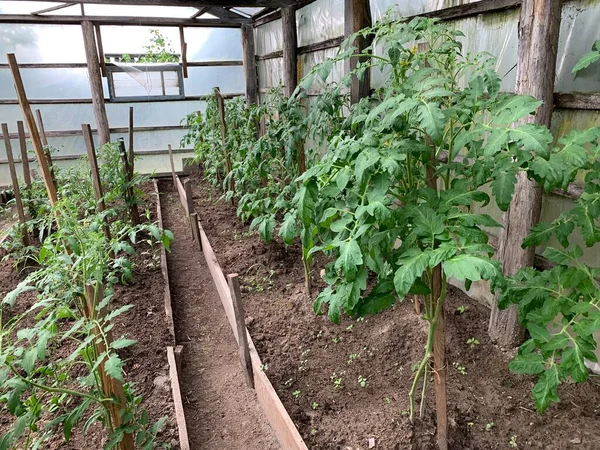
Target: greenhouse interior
325,225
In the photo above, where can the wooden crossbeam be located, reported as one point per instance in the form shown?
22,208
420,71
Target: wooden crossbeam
52,8
121,20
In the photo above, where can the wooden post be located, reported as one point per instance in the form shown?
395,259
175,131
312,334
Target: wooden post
91,55
196,229
130,149
134,214
183,44
173,174
290,49
100,50
228,164
238,310
357,15
33,131
24,157
188,196
249,59
539,26
112,388
91,153
38,114
15,183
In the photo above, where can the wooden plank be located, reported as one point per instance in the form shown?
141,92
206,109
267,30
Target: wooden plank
100,50
249,61
184,64
539,26
172,165
164,270
33,131
123,20
470,9
96,180
24,157
238,311
52,8
188,3
178,401
195,230
577,100
357,15
181,192
15,185
290,44
75,101
189,201
95,76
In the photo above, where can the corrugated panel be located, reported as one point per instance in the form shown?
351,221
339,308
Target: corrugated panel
320,21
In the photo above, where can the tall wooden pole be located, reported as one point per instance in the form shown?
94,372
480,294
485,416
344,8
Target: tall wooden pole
250,73
290,49
15,183
38,114
33,131
24,157
91,55
222,119
357,15
130,149
539,26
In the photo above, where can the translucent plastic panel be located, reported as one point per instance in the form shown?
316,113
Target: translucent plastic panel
151,113
154,140
135,11
405,8
268,38
579,30
48,83
202,80
319,21
145,83
133,40
213,44
309,60
270,72
14,7
42,43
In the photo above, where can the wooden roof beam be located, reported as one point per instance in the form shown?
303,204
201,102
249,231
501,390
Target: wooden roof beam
53,8
122,20
191,3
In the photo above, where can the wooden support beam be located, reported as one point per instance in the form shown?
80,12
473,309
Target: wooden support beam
91,55
44,138
183,44
24,157
188,3
15,185
357,15
134,214
250,72
199,12
539,26
290,50
238,310
52,8
196,229
100,50
130,134
123,20
33,131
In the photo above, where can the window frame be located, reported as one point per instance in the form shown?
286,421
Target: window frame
111,69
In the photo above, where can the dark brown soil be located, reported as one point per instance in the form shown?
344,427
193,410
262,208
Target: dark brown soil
306,353
221,412
146,362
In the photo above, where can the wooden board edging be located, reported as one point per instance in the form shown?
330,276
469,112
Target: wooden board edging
164,269
286,432
184,441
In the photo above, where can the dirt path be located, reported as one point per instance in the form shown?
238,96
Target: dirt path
221,412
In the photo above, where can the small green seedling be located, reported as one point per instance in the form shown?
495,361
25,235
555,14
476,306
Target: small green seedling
513,442
349,328
288,382
470,425
336,339
388,400
337,381
489,426
459,368
353,357
314,405
296,393
264,367
363,381
472,342
313,432
462,309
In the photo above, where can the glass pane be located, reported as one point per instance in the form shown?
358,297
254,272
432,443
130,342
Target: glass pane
202,80
42,43
213,44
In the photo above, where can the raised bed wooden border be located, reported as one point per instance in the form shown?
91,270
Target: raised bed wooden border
286,432
173,353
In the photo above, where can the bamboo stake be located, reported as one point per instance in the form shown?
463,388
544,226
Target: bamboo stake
33,131
91,153
15,184
112,388
238,310
24,157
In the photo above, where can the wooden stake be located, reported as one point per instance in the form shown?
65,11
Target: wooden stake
15,184
290,49
98,191
172,166
112,388
196,229
134,214
100,50
130,149
95,75
33,131
228,164
357,15
539,26
38,114
238,310
24,157
183,44
250,73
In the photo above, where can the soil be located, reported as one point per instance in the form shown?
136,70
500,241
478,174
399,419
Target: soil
145,363
221,412
305,354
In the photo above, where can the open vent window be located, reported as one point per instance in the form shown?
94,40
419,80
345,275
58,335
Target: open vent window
145,82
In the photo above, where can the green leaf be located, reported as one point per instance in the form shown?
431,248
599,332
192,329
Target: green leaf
349,259
431,119
122,343
22,287
428,223
533,138
528,363
412,265
586,60
114,367
503,186
545,392
266,228
288,229
29,359
469,267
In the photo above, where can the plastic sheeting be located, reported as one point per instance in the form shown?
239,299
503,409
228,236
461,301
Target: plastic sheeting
578,31
268,38
309,60
48,83
213,44
270,72
202,80
320,21
405,8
